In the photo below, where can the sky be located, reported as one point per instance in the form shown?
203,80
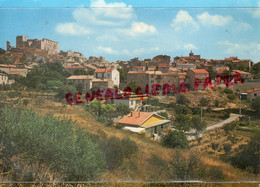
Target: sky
125,29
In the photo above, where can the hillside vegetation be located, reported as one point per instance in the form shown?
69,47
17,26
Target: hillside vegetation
115,156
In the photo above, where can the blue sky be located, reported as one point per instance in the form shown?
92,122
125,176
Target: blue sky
121,30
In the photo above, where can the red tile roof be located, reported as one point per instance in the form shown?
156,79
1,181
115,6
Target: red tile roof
254,90
199,71
103,70
136,118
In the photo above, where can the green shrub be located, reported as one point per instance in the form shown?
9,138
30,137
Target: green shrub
175,139
48,141
182,109
129,147
228,91
164,114
13,94
216,174
102,119
231,96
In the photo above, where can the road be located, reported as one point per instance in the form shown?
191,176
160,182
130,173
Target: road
232,117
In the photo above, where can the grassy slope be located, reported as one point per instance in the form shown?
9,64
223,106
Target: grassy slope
136,168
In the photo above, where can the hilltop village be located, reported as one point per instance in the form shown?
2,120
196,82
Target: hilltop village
207,105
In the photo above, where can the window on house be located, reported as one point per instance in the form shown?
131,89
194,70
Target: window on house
255,94
152,81
151,76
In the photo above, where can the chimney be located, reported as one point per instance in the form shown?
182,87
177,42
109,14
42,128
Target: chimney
138,115
131,114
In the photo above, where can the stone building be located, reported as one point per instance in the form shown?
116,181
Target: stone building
197,77
45,44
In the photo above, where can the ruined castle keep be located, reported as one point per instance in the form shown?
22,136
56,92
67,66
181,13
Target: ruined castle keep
50,46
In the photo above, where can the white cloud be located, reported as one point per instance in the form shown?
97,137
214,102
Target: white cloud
71,29
250,50
216,20
243,26
118,10
189,46
183,20
256,13
139,28
106,14
108,50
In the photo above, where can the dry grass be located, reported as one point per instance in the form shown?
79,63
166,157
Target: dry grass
136,167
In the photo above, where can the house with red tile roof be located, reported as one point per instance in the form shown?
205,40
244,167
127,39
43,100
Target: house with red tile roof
252,94
108,73
197,78
147,122
85,80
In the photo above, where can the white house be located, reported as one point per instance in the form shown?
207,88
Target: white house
108,73
3,79
132,102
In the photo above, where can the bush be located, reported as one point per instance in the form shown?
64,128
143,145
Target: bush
187,169
123,109
48,141
227,148
181,99
13,94
175,139
182,109
164,114
231,96
129,147
215,173
249,155
102,119
228,91
214,146
64,90
158,169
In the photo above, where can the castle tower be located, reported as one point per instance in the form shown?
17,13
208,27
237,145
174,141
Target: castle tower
8,46
191,53
21,41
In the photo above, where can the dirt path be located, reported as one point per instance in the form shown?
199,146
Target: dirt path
232,117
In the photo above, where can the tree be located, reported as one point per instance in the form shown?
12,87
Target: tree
181,99
54,85
256,70
80,72
175,139
64,90
182,123
46,141
95,106
107,109
212,73
204,102
182,109
133,86
123,109
249,155
231,96
256,104
164,114
122,74
198,124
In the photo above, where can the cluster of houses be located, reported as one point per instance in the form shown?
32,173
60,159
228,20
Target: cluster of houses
103,74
